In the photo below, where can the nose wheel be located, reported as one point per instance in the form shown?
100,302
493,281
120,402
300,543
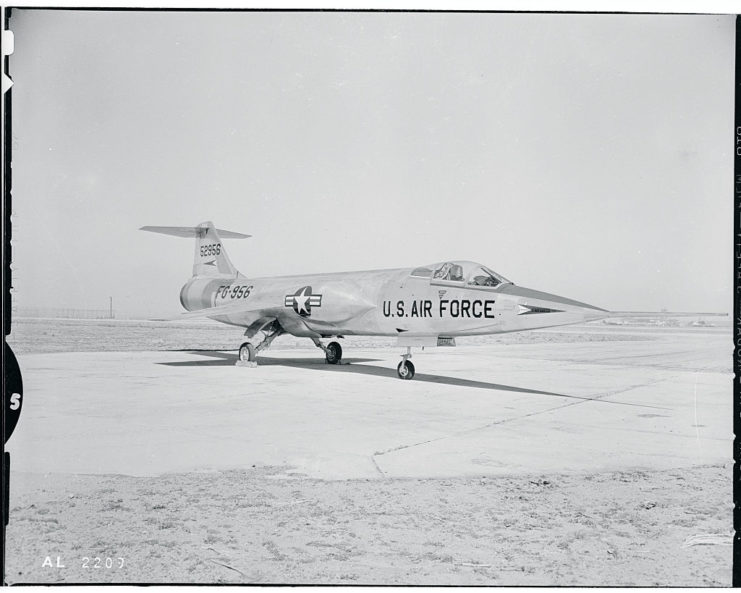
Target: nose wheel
405,370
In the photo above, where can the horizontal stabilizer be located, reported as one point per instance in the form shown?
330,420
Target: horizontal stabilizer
190,232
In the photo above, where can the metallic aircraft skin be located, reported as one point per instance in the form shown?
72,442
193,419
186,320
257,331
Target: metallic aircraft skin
419,306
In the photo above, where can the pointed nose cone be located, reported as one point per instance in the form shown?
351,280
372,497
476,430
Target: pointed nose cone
533,302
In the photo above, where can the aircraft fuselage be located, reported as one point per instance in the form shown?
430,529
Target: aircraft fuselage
384,303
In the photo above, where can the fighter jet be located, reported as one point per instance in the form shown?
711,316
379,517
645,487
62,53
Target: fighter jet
429,305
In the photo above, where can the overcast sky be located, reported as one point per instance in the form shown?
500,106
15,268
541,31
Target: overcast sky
585,155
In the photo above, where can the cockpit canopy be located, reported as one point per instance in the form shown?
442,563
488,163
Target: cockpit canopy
468,272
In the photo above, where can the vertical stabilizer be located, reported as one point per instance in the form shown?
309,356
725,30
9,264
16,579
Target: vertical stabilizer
210,257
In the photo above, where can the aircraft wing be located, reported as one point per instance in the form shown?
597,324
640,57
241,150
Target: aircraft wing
253,305
263,308
266,306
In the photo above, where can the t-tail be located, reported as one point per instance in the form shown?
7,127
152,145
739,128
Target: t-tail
210,258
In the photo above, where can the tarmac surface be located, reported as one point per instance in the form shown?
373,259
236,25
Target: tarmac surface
488,409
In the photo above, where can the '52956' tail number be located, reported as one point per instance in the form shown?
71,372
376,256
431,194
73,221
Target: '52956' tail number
232,291
212,249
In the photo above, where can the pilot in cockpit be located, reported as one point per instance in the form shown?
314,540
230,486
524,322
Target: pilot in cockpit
442,272
449,271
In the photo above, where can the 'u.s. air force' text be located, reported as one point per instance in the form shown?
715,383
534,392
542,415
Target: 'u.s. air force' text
446,308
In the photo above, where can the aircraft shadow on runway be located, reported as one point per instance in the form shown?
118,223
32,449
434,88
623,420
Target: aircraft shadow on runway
350,365
228,359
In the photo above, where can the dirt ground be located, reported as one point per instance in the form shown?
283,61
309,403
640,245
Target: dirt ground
260,526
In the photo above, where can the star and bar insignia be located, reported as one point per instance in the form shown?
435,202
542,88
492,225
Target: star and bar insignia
303,300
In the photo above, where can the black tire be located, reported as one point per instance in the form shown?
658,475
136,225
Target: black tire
334,353
247,352
405,370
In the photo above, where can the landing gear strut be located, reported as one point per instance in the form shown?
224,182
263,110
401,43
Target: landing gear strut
405,370
332,351
248,351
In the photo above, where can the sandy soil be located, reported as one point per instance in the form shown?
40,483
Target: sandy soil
620,528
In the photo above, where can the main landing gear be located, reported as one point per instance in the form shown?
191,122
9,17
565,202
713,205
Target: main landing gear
332,351
248,351
405,370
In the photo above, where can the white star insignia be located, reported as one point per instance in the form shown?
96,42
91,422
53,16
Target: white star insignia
301,301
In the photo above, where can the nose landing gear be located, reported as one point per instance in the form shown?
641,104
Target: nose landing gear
405,370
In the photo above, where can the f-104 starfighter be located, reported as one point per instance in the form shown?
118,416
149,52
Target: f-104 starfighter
428,305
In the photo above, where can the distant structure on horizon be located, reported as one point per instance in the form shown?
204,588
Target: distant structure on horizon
64,313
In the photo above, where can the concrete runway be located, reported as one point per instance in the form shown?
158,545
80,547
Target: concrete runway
471,410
